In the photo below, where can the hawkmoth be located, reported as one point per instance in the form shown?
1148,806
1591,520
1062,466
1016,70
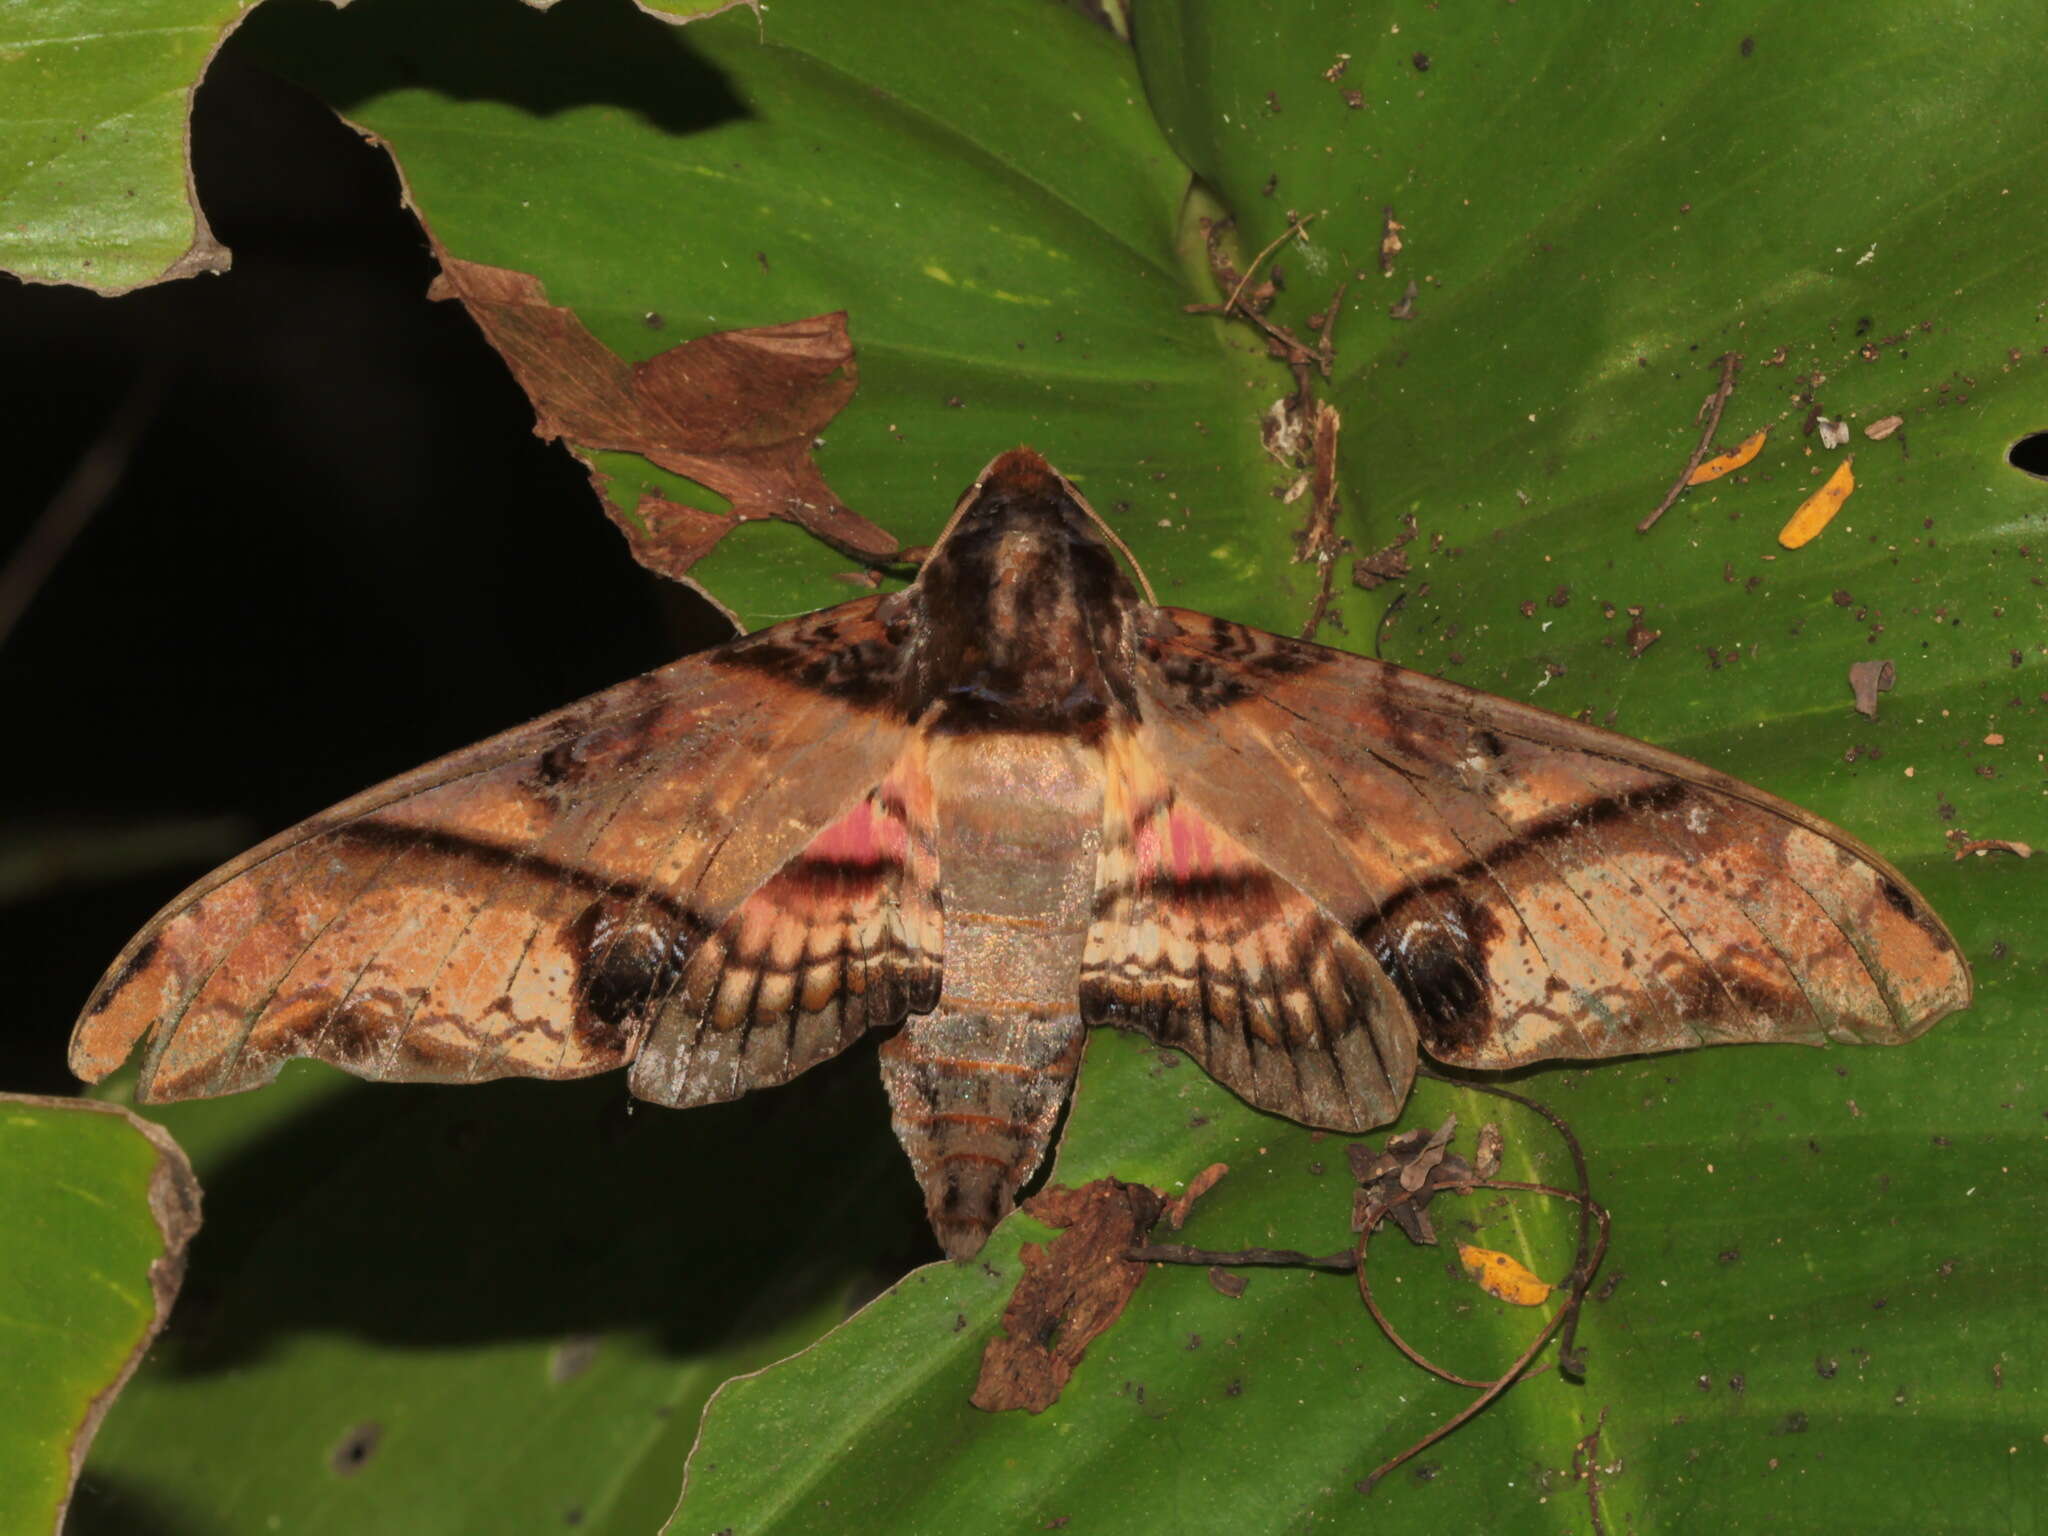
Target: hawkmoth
1013,800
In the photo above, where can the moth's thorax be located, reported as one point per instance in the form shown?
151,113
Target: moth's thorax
1027,618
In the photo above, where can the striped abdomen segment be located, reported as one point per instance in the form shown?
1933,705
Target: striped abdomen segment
977,1084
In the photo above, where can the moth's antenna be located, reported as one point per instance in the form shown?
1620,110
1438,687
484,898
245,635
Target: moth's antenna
1137,570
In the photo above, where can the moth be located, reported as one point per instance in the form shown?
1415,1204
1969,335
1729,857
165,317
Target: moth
1016,799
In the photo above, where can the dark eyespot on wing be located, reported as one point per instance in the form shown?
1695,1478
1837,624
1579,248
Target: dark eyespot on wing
1438,966
628,962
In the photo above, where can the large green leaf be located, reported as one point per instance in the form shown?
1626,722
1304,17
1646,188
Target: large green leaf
1595,206
94,184
98,1208
1811,1244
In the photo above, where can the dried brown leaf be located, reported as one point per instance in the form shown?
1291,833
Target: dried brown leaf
735,411
1070,1291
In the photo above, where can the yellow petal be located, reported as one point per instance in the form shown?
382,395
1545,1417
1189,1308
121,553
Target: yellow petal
1819,509
1722,463
1501,1277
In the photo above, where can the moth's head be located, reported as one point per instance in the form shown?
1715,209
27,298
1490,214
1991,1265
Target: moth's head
1022,523
1023,598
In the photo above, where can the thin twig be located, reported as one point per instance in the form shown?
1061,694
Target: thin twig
93,479
1295,225
1710,413
1181,1253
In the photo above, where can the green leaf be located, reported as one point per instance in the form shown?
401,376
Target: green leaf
99,1208
94,184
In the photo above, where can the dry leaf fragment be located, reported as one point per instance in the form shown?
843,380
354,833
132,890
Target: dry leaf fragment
1486,1159
1869,679
1502,1277
1070,1291
1983,845
735,411
1726,463
1832,433
1399,1181
1819,509
1883,428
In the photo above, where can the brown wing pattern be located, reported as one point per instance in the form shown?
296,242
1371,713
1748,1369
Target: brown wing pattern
1200,945
1534,887
846,937
525,906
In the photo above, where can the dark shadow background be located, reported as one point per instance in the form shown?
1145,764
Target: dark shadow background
336,552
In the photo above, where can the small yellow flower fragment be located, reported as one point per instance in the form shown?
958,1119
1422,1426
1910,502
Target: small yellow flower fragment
1501,1277
1723,463
1819,509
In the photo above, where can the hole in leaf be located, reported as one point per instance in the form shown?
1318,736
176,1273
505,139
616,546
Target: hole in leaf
2030,455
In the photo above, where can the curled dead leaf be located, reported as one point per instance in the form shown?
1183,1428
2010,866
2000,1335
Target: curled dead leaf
1868,679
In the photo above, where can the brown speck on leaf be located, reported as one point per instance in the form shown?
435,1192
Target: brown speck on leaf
1825,1367
1355,100
1421,63
573,1356
1867,679
735,411
356,1449
1641,637
1070,1291
1390,240
1560,598
1487,1154
1177,1209
1387,563
1225,1283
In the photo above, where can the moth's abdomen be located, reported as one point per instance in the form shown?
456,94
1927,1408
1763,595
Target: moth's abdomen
976,1086
974,1099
